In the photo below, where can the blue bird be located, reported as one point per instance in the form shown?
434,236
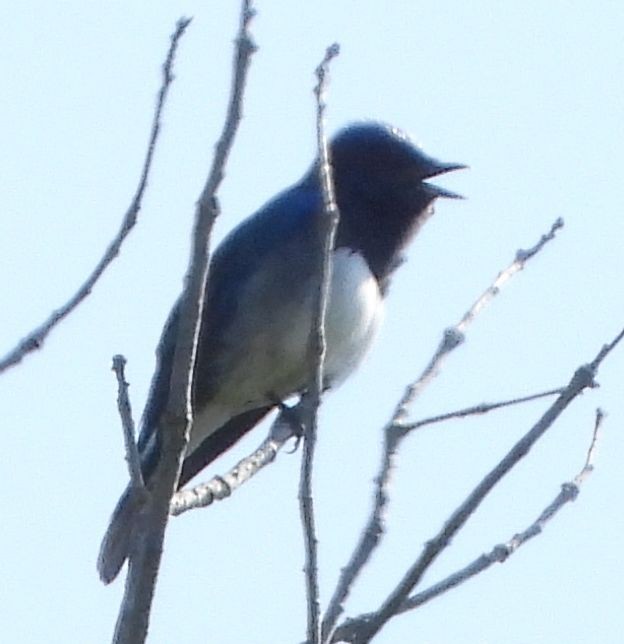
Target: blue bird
260,294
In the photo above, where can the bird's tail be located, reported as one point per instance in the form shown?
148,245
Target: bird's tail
116,543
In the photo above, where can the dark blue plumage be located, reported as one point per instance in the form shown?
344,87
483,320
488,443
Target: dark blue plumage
259,299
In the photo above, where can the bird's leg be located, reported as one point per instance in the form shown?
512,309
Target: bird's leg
291,417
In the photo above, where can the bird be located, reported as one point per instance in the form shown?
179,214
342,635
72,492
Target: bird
260,294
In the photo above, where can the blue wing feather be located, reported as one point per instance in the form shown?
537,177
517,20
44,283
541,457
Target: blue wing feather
284,222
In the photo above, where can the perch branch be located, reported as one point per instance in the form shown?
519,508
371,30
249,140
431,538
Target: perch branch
283,429
221,487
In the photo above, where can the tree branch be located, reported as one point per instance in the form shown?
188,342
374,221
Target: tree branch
583,378
221,487
348,631
127,422
35,339
328,224
176,421
475,410
454,336
282,430
397,429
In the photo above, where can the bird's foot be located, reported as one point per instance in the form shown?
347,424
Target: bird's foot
290,419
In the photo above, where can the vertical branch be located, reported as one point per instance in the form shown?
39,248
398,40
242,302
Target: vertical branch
328,224
176,421
125,413
369,539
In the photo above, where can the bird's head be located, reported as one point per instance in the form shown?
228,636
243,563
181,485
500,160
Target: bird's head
380,178
378,156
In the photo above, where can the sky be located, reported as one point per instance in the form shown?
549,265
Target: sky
530,96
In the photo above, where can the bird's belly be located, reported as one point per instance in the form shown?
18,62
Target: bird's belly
275,363
281,359
353,316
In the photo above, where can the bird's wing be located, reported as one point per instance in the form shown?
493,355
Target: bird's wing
220,441
282,232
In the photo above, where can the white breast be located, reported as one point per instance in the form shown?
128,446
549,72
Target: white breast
353,315
275,358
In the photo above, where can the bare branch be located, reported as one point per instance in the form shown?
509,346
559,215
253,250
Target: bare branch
282,430
482,408
370,538
454,336
348,631
127,422
500,553
221,487
175,423
35,339
606,350
397,429
583,378
328,224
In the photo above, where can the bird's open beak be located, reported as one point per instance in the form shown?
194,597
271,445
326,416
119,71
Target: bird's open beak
436,168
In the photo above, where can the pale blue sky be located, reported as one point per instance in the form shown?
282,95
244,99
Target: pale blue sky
530,95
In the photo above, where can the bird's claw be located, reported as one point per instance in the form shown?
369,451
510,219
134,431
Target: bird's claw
291,417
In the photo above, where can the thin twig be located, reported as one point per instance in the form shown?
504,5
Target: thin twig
35,339
328,224
398,428
454,336
482,408
370,537
127,422
349,630
606,350
175,424
582,379
500,553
